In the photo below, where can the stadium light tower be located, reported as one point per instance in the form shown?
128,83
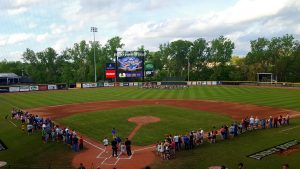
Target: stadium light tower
94,29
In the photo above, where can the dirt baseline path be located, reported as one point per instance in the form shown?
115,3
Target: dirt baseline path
97,156
235,110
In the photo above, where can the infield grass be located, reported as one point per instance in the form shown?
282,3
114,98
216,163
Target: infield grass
97,125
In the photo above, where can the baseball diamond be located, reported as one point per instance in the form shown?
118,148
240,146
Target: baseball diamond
146,116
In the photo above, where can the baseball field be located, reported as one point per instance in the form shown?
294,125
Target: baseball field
94,112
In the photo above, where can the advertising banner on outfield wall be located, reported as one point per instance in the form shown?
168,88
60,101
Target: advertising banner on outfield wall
4,89
100,84
78,85
209,83
34,88
199,83
89,85
121,84
135,84
213,83
125,84
43,87
52,87
61,86
194,83
14,89
24,88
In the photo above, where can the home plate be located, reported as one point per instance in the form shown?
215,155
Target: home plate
2,163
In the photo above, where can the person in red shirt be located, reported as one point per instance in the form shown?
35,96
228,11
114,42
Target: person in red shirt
80,143
275,122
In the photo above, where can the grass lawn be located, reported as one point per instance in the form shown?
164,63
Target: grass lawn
30,150
97,125
284,98
231,152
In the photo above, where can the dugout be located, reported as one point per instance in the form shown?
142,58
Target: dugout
9,79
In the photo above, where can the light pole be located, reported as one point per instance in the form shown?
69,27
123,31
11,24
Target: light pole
188,69
94,29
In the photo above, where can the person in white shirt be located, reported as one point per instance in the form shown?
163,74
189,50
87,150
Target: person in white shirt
105,142
256,122
251,122
176,140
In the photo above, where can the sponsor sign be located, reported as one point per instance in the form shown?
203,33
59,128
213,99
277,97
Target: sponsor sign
89,85
199,83
214,83
43,87
149,69
279,148
52,87
110,74
110,66
4,89
108,84
78,85
121,84
125,84
34,88
189,83
61,86
203,83
14,89
135,84
130,84
208,82
194,83
100,84
24,88
2,146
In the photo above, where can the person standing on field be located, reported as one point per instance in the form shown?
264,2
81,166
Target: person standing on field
128,147
114,132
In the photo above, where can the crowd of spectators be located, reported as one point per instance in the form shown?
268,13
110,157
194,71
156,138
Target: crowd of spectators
50,132
167,148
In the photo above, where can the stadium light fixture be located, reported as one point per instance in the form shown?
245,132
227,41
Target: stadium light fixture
94,30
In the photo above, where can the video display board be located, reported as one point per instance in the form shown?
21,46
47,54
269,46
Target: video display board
130,65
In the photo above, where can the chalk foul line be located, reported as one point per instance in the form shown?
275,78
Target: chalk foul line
290,128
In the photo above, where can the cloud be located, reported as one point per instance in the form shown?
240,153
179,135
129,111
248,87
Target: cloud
17,11
244,21
42,37
15,38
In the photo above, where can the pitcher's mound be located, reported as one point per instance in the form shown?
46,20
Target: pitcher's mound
142,120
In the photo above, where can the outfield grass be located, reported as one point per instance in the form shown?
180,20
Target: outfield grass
28,149
284,98
231,152
97,125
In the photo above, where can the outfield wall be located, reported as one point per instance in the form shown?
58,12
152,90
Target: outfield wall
46,87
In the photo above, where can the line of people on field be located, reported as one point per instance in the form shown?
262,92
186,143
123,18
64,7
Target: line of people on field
167,149
49,130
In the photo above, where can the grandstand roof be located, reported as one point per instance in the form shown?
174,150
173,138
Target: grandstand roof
8,75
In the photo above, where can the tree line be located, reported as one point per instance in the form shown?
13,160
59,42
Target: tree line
205,60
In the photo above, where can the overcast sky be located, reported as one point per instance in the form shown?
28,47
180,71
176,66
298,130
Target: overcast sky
38,24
